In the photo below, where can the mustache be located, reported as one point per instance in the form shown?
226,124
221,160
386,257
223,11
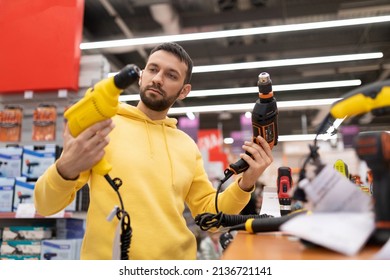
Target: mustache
156,87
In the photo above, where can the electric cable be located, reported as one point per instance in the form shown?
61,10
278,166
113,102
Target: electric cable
207,221
124,218
313,155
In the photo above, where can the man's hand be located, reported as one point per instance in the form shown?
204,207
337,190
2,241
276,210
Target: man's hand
260,160
84,151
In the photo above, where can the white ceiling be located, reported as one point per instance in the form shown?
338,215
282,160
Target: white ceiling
117,19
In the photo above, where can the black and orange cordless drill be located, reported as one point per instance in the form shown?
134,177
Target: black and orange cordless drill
264,121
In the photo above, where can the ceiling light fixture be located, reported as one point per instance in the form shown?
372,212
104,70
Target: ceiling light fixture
282,62
286,62
245,90
304,137
282,105
292,138
233,33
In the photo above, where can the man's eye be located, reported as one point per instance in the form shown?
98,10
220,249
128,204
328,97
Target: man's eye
172,76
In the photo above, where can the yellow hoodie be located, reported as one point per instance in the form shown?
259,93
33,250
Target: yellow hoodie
161,169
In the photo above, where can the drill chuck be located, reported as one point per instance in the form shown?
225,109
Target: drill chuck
264,83
127,76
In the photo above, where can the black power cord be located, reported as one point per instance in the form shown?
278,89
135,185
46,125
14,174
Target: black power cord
313,155
206,221
124,217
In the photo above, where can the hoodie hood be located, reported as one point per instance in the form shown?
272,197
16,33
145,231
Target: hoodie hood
134,113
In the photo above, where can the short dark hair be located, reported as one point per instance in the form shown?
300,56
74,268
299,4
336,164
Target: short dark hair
180,53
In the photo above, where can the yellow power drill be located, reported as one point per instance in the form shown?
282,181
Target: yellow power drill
99,103
374,98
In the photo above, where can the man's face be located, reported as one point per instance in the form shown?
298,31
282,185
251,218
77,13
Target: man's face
162,81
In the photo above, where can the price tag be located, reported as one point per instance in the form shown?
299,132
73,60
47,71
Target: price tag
329,191
25,210
343,232
270,205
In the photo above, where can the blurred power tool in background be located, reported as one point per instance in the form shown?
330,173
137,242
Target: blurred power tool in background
373,98
100,103
342,168
284,185
374,148
264,121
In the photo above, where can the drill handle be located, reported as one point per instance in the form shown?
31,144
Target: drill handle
103,167
239,166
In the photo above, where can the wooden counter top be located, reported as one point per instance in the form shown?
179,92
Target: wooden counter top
279,246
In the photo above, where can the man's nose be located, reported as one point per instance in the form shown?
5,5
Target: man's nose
158,78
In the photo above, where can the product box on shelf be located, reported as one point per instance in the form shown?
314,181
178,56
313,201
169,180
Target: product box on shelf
7,186
26,232
20,247
61,249
11,161
44,123
20,257
36,159
11,119
23,192
70,228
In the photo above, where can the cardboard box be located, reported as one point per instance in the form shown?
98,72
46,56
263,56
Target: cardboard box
25,190
61,249
20,247
36,159
70,228
7,186
26,233
11,161
20,257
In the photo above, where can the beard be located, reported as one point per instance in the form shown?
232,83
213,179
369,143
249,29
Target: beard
155,104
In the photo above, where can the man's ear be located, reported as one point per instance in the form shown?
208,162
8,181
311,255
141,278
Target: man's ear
184,91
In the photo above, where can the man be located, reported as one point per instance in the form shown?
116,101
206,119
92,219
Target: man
160,166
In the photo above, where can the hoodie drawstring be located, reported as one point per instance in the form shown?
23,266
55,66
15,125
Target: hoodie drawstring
169,155
166,147
149,140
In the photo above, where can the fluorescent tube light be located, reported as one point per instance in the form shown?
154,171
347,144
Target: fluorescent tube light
249,106
283,62
245,90
191,115
304,137
233,33
292,138
286,62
